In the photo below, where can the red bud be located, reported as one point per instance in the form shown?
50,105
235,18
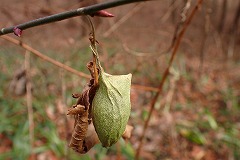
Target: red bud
17,31
102,13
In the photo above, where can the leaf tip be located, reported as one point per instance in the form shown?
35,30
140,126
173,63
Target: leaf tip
102,13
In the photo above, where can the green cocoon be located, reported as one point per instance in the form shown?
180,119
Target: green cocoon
111,107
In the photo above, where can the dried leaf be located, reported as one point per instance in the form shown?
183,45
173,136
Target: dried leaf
128,132
91,138
76,95
80,140
80,128
79,109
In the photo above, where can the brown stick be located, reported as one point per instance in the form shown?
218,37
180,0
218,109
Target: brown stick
123,19
165,75
44,57
145,88
65,67
95,57
89,10
29,100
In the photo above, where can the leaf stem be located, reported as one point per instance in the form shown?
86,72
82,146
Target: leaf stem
95,54
44,57
68,14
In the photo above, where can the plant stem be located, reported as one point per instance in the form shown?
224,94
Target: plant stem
65,67
68,14
44,57
165,75
29,100
95,55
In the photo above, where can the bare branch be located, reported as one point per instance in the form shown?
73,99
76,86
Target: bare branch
122,20
29,99
44,57
89,10
165,74
63,66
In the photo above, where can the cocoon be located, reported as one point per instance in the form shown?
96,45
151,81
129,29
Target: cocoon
111,107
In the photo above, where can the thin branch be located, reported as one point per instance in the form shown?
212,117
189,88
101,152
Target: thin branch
169,97
165,75
44,57
205,31
139,54
169,11
89,10
145,88
64,103
65,67
29,100
95,56
122,20
179,25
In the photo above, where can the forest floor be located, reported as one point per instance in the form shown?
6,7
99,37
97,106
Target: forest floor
196,117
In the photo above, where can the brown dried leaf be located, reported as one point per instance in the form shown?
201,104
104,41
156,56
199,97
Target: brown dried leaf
60,106
128,132
50,112
80,128
83,138
84,99
90,68
76,95
79,109
91,138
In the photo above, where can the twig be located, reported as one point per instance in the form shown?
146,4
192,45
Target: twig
170,94
118,147
165,75
63,97
170,9
65,67
69,14
29,100
122,20
44,57
204,39
183,19
223,16
139,54
233,31
95,55
145,88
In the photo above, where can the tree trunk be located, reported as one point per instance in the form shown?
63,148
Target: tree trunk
223,16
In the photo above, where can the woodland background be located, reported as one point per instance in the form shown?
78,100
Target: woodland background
196,117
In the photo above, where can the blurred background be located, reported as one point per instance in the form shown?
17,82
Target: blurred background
197,116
